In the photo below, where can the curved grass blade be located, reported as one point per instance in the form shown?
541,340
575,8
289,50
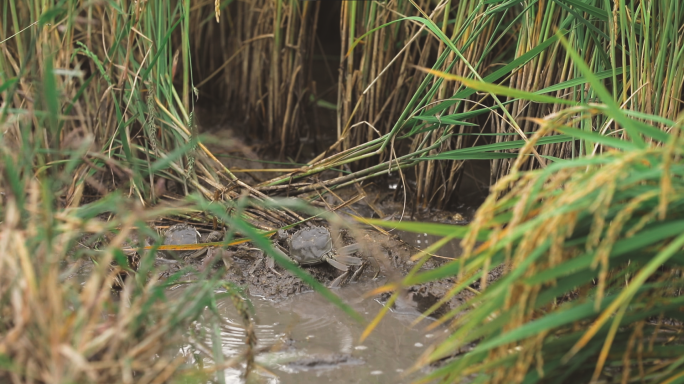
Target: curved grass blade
498,89
603,94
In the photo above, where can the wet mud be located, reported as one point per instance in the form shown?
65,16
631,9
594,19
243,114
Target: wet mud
387,258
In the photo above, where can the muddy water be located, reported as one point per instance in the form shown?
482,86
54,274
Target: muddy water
310,340
305,339
418,241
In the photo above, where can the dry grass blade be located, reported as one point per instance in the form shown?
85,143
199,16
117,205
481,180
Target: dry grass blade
66,328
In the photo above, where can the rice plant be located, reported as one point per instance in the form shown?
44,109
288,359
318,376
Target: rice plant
592,249
382,91
577,104
75,308
95,131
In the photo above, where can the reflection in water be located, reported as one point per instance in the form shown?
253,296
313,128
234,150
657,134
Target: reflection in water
305,339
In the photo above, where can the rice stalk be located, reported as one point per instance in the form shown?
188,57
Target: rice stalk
581,300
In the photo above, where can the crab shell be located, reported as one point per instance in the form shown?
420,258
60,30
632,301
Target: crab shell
311,246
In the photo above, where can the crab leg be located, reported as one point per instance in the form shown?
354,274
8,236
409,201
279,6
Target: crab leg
271,261
344,252
349,249
337,264
347,260
358,271
338,282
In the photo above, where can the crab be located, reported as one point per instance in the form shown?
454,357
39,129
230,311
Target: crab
314,245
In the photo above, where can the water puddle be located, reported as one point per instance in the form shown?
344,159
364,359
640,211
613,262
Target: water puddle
306,339
421,241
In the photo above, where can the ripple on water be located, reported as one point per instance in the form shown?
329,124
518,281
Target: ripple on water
306,339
